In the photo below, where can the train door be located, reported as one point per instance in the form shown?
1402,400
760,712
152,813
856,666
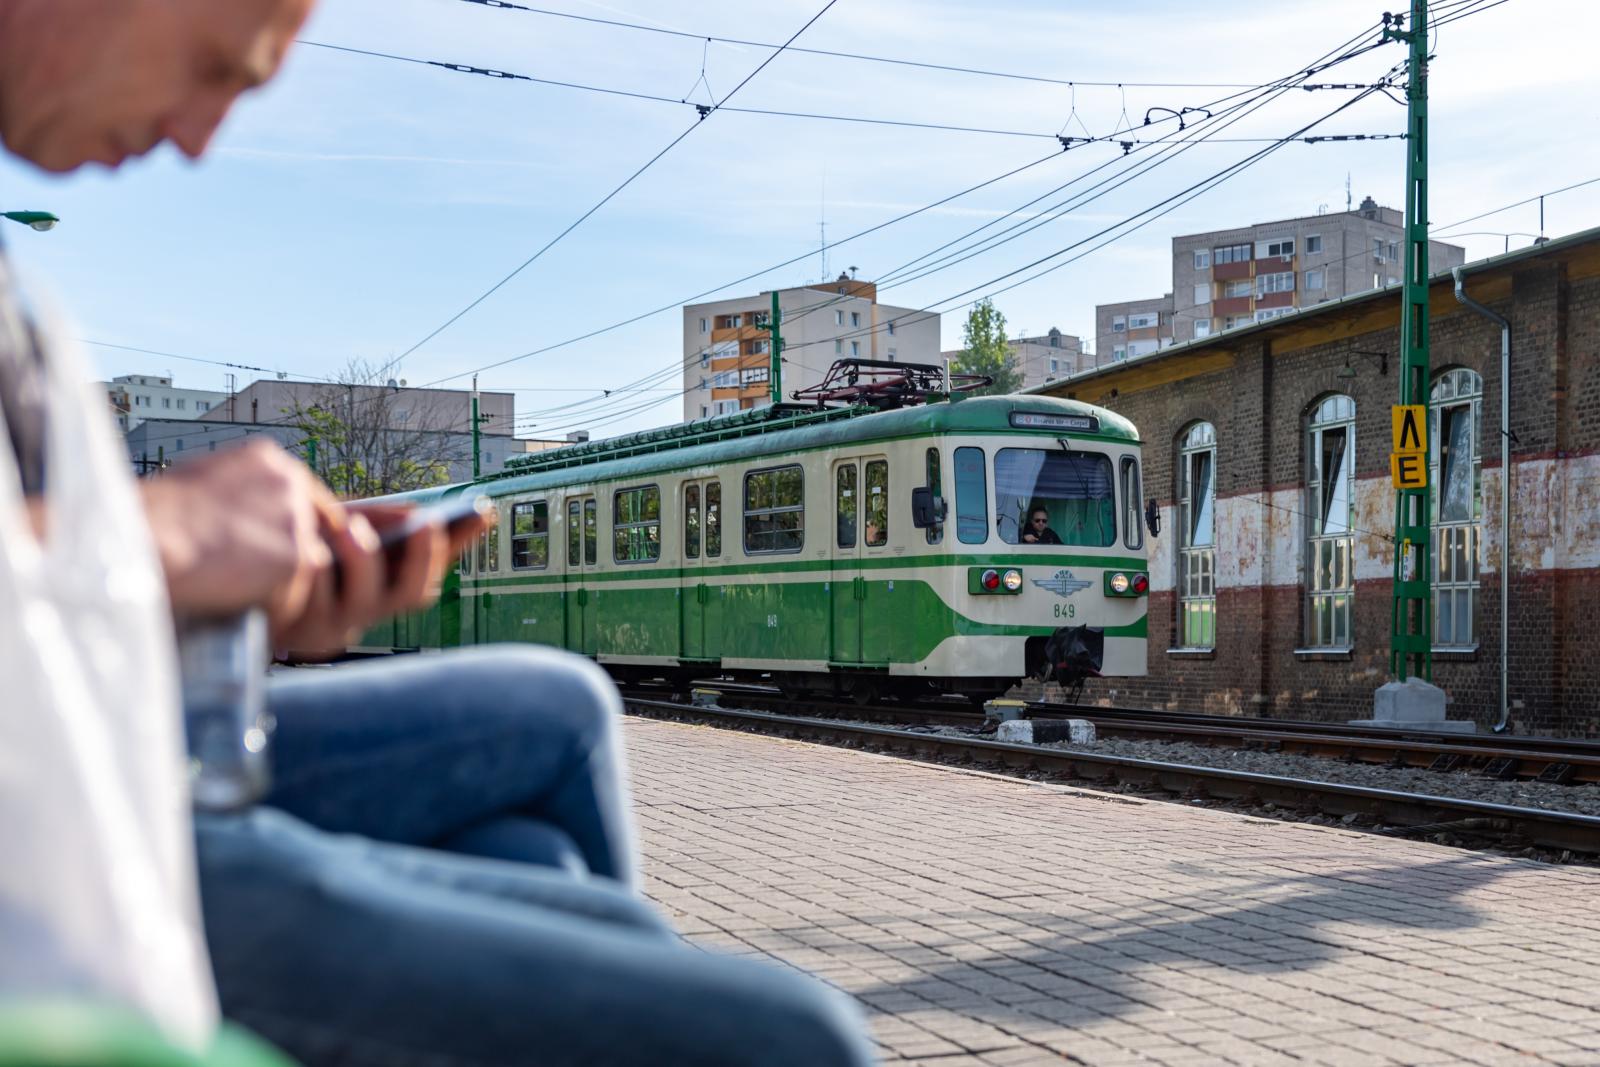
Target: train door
691,584
482,602
711,558
699,601
845,583
877,627
583,544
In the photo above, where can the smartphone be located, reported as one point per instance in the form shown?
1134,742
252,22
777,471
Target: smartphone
451,514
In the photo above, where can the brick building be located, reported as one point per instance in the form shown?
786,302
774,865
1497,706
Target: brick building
1267,449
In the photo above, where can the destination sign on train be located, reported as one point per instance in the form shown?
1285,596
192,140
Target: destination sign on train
1038,420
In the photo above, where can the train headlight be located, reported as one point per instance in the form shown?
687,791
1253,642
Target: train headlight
1141,583
991,580
1013,580
1119,583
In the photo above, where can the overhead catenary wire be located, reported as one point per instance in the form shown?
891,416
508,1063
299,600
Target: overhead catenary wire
1324,62
1300,75
730,284
1309,70
704,109
436,331
1165,206
621,24
896,277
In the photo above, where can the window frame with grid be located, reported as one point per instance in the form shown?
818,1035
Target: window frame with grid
767,523
1457,541
527,537
636,524
1330,539
1197,560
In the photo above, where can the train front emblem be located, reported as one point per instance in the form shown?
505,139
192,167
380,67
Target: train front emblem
1062,583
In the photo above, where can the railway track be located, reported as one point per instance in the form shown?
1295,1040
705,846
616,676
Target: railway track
1555,760
1502,825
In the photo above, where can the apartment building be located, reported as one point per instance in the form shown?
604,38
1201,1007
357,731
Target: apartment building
1132,328
1224,279
1040,359
727,361
137,397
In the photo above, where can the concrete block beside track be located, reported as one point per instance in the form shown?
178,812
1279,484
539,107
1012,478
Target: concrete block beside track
1046,731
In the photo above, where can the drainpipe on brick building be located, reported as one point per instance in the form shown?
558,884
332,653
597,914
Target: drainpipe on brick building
1505,489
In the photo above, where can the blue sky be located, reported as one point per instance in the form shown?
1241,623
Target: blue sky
357,203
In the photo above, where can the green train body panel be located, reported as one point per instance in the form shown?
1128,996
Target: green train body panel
904,608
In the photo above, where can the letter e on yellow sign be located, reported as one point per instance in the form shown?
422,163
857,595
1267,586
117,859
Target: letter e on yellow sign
1410,469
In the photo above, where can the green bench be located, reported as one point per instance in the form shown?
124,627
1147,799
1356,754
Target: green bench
75,1035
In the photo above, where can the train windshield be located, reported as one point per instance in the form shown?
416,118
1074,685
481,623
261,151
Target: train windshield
1054,497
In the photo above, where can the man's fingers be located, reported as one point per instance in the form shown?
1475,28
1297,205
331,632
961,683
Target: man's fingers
420,561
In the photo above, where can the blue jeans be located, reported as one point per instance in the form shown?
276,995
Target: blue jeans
371,944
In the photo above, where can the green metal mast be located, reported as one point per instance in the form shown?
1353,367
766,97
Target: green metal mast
775,375
1411,635
477,446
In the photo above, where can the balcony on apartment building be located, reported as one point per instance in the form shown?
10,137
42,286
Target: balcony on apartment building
745,326
1231,305
1231,271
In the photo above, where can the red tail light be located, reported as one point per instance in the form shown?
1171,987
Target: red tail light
991,579
1141,583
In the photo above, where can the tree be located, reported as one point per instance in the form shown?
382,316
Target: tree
984,350
373,438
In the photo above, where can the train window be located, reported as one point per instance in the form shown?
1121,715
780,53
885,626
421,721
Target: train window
493,534
574,532
636,525
530,535
877,531
935,533
774,510
1074,490
713,519
972,497
591,533
845,502
1132,529
483,552
691,522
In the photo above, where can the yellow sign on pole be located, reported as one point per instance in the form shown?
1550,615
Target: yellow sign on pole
1410,427
1409,469
1408,463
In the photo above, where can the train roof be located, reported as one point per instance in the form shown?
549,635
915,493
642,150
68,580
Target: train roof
782,429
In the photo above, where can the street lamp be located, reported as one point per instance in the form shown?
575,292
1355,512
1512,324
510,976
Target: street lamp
39,220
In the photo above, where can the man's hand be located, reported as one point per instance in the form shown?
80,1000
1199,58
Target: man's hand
255,528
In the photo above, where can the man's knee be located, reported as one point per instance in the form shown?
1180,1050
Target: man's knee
547,684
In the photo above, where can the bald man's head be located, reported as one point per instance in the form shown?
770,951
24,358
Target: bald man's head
84,81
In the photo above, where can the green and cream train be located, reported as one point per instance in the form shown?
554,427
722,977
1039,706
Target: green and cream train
955,546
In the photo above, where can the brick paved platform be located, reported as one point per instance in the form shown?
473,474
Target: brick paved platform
989,920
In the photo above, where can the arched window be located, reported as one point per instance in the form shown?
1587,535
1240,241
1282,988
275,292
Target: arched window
1454,412
1330,499
1197,506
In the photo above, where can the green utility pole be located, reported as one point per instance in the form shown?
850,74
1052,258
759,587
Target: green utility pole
1411,634
477,452
775,346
